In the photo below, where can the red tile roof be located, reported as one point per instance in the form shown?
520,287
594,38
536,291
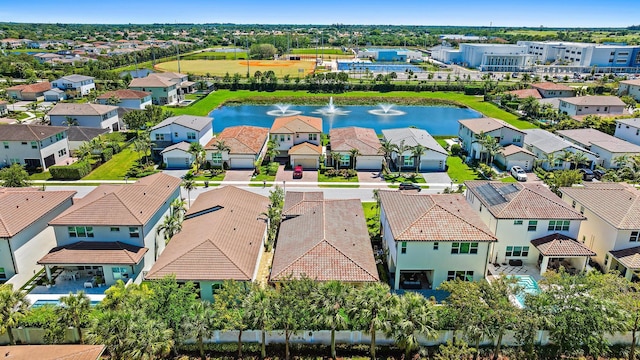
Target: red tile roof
94,252
513,149
616,203
21,208
630,257
296,124
561,245
552,86
125,94
525,93
32,88
305,148
486,124
241,139
363,139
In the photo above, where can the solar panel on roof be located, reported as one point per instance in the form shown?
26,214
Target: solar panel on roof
508,189
491,195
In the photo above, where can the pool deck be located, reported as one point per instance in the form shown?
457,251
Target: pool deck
513,270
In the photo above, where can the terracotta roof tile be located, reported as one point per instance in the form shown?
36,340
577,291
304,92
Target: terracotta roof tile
514,149
363,139
560,245
296,124
552,86
125,94
21,208
305,148
525,93
52,352
92,252
241,139
151,81
486,124
77,109
26,132
616,203
630,258
32,88
594,100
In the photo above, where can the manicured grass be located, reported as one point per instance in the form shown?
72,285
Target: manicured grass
392,178
263,176
508,179
45,175
219,177
324,178
213,55
221,67
339,186
459,171
117,167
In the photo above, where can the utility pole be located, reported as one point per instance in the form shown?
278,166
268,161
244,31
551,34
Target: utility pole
178,53
248,57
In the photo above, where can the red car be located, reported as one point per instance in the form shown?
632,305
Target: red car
297,172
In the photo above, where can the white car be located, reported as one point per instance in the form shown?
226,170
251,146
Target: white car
518,173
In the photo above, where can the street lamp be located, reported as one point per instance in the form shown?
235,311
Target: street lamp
284,186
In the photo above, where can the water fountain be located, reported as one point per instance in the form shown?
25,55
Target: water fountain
331,110
386,110
283,110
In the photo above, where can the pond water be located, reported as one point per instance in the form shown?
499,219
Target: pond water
437,120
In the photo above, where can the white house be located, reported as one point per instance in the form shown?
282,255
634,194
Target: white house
605,146
629,130
547,146
24,234
54,95
631,88
130,99
80,84
112,231
299,138
177,129
612,227
33,146
365,140
433,159
246,145
87,114
430,239
471,129
512,155
163,91
525,217
586,105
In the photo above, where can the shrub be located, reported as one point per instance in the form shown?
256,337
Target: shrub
75,171
350,173
115,147
40,317
107,154
455,149
139,170
272,168
473,90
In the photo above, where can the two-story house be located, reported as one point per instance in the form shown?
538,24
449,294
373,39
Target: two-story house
608,148
24,232
172,138
434,157
28,92
552,150
299,138
87,115
222,238
612,228
244,146
471,129
586,105
631,88
430,239
533,225
130,99
629,130
553,90
163,91
112,231
34,146
77,85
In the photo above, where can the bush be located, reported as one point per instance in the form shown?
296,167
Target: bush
139,170
272,168
455,149
75,171
115,147
40,317
474,90
107,154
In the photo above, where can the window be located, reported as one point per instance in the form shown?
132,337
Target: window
62,152
517,222
216,287
403,249
119,273
159,137
3,274
80,231
533,225
175,134
408,161
216,158
558,225
464,248
436,245
581,209
517,139
462,275
191,136
573,204
134,232
59,136
634,236
281,138
34,144
115,229
313,136
345,160
517,251
6,144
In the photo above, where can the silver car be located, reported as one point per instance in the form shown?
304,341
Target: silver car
518,173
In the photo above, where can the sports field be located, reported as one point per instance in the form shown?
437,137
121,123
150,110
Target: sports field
221,67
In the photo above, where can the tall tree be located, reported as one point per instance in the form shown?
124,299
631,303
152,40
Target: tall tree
412,317
199,323
228,303
75,311
188,185
386,149
401,148
14,176
292,302
353,154
170,226
14,305
371,307
417,152
196,149
260,312
492,147
330,302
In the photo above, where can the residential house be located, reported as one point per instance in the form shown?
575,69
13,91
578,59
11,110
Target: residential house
529,220
629,130
163,91
182,82
87,114
630,87
24,233
34,146
430,239
433,159
247,144
586,105
77,135
131,99
613,224
299,138
525,93
324,240
3,108
178,129
471,129
112,231
512,155
553,90
77,85
547,146
54,95
30,92
607,147
222,238
365,140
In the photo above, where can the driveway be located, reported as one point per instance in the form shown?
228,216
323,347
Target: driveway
370,177
436,178
238,175
287,175
177,173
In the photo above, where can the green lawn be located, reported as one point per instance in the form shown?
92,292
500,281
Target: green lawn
219,177
508,179
324,178
45,175
392,178
319,51
459,171
117,167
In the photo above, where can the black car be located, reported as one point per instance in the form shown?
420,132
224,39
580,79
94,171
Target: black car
409,186
599,173
587,174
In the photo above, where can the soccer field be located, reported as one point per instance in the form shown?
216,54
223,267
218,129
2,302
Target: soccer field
221,67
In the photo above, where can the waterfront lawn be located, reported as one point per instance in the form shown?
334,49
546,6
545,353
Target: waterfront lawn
459,171
117,167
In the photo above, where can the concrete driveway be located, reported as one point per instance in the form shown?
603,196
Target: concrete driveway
238,175
436,178
370,177
179,173
287,175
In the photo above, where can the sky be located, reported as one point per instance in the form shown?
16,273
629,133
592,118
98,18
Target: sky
512,13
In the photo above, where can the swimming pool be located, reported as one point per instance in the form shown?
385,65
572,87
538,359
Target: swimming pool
528,285
42,302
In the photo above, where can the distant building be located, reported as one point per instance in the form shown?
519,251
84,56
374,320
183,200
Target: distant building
631,88
586,105
29,92
390,55
585,55
80,84
486,57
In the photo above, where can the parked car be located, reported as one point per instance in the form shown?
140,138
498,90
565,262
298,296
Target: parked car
409,186
297,172
587,174
518,173
599,173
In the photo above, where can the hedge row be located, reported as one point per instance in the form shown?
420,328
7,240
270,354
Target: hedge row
75,171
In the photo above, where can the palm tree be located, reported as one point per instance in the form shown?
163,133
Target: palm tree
492,146
14,305
621,160
260,313
353,154
178,207
417,152
579,158
83,151
335,159
113,100
75,311
401,149
386,149
566,157
196,149
69,121
170,226
227,303
153,339
188,185
200,324
413,316
222,147
550,159
481,139
331,301
272,149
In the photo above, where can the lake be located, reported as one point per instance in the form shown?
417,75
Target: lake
437,120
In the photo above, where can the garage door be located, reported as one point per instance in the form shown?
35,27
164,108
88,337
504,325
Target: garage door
241,163
368,164
524,164
306,163
432,165
177,163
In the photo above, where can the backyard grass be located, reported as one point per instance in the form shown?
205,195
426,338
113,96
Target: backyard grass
45,175
393,178
508,179
117,167
221,67
324,178
459,171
